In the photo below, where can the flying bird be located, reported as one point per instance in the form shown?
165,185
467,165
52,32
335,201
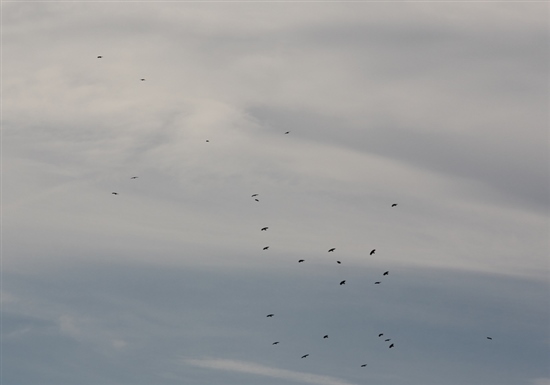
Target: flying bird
305,355
114,193
257,200
267,247
270,315
391,346
395,204
377,283
380,335
387,339
142,80
489,338
287,132
265,228
254,195
372,252
338,262
331,250
364,365
325,336
99,57
134,177
386,273
301,260
275,343
207,141
343,282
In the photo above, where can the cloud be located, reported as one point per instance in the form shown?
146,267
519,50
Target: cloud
261,370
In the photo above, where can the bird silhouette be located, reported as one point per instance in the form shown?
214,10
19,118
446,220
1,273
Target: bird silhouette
377,283
114,193
207,141
325,336
395,204
301,260
386,273
264,228
338,262
489,338
364,365
142,79
275,343
343,282
257,200
387,339
270,315
265,248
331,250
134,177
99,57
254,195
372,252
287,132
305,355
391,346
380,335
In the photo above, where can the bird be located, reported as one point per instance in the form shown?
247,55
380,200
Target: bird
338,262
489,338
114,193
364,365
372,252
331,250
391,346
142,80
265,228
270,315
305,355
257,200
387,339
99,57
343,282
386,273
377,283
275,343
254,195
380,335
207,141
267,247
301,260
134,177
395,204
287,132
325,336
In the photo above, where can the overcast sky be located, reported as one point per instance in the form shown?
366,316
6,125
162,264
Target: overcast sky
440,107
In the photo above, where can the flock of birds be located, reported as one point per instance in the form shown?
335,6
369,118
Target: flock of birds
331,250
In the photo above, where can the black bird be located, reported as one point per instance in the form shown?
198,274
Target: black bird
391,346
372,252
343,282
387,339
380,335
301,260
267,247
386,273
207,141
265,228
256,200
330,250
254,195
114,193
395,204
287,132
142,80
489,338
134,177
99,57
377,283
275,343
270,315
364,365
338,262
325,336
305,355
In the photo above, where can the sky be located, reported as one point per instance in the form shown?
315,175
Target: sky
439,107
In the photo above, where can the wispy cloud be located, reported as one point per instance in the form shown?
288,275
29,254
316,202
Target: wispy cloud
261,370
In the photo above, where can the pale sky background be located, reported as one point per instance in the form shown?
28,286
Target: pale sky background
441,107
